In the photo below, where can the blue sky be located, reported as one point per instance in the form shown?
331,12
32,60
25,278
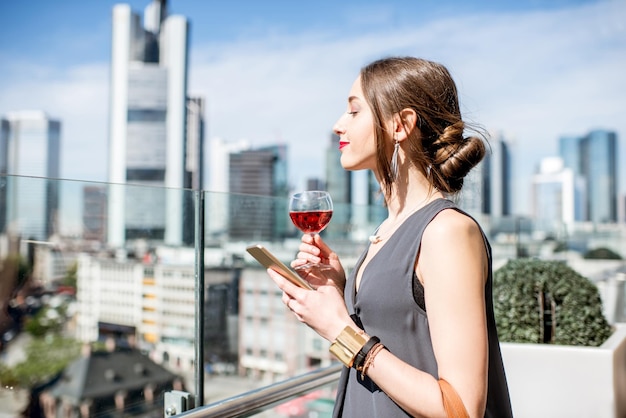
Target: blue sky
279,71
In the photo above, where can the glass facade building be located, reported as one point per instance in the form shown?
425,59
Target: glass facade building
594,157
156,131
339,185
258,172
558,195
487,188
30,145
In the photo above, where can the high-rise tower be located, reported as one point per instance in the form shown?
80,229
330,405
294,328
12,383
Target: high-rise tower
258,186
487,188
594,157
558,195
30,144
339,185
151,142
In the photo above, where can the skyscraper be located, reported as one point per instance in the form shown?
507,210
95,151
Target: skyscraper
497,178
487,188
156,132
30,144
258,194
339,185
94,213
558,195
594,157
357,198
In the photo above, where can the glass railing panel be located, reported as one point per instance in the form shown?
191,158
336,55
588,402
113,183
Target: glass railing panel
104,278
137,284
251,339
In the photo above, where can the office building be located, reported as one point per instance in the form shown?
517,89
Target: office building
4,154
594,157
217,200
30,144
377,211
94,213
558,196
339,185
258,194
273,345
154,298
497,178
156,130
487,187
315,183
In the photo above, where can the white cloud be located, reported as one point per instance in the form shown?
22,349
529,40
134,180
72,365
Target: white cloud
78,97
535,75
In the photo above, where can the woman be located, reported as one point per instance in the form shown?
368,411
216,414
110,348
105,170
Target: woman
414,321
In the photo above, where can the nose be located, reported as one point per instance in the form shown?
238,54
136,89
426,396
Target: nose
338,127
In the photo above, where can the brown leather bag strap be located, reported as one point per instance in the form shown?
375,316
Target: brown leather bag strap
452,403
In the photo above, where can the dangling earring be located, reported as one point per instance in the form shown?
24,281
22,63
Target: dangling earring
394,160
428,171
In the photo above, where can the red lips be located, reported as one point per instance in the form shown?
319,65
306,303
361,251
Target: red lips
342,144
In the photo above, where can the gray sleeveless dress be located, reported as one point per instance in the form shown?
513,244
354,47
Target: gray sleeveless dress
388,306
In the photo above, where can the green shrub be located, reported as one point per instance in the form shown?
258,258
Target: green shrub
517,290
602,253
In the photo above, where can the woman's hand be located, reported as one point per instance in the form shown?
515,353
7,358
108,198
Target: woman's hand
324,309
314,250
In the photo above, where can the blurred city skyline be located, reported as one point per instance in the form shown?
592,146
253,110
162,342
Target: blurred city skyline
279,72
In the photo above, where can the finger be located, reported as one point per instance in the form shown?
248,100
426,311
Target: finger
309,248
308,257
283,284
286,299
298,262
321,245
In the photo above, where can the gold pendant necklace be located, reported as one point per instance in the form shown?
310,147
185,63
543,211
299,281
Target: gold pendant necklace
377,238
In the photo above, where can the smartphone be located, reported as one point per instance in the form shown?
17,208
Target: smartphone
268,260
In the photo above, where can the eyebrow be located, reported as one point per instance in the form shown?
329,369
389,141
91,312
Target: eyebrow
352,98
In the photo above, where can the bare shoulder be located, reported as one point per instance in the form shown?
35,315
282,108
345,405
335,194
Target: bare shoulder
450,224
452,247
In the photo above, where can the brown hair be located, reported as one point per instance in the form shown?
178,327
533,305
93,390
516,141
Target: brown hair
438,145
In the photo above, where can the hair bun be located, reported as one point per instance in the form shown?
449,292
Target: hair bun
455,156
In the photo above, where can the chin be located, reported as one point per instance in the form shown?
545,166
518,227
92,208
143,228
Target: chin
352,165
347,165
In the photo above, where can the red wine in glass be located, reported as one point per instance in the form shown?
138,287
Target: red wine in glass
310,212
311,222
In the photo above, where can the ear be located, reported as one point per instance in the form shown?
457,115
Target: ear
403,124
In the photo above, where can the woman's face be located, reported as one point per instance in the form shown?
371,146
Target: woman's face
355,128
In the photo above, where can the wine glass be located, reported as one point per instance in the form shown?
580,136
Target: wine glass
310,211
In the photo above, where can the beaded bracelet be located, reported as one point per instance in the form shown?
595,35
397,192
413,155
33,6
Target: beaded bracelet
369,359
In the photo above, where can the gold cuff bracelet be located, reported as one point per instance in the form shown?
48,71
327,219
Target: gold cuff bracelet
347,345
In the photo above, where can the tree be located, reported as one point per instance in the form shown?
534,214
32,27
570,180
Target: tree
70,278
45,358
47,320
539,301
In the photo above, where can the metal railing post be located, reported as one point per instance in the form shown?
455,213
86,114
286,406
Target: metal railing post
199,297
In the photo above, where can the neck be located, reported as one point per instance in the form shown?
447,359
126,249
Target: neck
409,195
400,207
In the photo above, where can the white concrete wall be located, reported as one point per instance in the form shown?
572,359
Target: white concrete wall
554,381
